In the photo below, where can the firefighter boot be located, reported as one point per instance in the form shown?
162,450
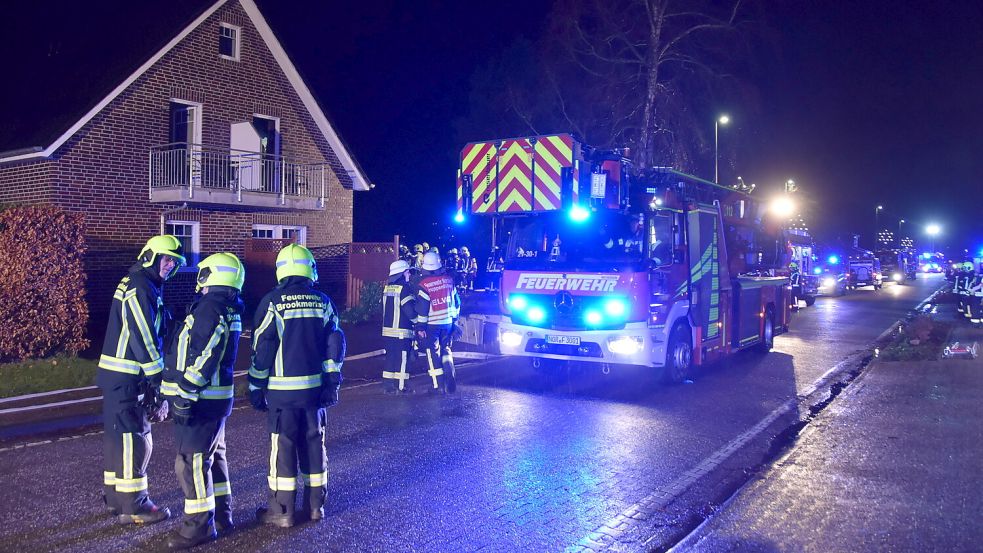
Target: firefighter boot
275,515
148,513
113,511
223,515
313,503
177,540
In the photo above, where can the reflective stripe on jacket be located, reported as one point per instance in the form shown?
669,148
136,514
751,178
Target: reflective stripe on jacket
132,349
201,358
398,309
290,342
437,302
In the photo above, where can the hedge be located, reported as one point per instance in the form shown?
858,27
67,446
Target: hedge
42,283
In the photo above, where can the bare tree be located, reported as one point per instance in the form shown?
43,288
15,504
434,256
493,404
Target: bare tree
644,60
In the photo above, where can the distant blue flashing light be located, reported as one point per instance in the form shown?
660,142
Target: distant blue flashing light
833,260
926,255
459,218
817,271
579,214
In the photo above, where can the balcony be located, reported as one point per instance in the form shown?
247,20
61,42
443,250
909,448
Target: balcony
211,176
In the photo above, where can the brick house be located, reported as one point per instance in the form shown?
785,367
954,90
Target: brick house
203,128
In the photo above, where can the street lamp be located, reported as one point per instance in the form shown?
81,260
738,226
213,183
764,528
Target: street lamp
877,224
900,222
933,230
722,120
783,207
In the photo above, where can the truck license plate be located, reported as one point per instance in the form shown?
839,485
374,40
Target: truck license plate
565,340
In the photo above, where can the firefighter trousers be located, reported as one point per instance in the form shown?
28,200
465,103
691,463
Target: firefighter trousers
127,445
203,473
395,371
440,360
297,438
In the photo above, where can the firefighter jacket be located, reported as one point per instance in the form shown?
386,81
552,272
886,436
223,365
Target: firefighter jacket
132,350
201,356
795,279
398,309
290,342
437,302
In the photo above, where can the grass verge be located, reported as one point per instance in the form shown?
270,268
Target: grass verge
920,339
44,375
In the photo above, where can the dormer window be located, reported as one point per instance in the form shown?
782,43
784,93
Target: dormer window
228,41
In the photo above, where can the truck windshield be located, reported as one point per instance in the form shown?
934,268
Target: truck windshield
605,241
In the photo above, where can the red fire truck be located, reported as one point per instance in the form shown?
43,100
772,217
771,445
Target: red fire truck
663,270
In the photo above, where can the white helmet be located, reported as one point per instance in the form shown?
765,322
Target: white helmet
431,261
452,251
398,267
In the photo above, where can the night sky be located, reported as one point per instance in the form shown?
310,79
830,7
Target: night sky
862,103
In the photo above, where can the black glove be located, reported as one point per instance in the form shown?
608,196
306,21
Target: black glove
329,395
257,397
152,402
182,412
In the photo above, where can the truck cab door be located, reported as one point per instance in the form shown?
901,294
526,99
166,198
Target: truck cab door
703,226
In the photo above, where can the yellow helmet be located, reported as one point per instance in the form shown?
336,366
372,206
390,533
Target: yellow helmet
295,260
164,244
221,269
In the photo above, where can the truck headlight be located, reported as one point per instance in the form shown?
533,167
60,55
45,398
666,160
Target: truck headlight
510,339
625,345
828,283
896,277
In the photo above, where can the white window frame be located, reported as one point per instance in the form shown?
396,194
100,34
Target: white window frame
236,44
278,231
195,242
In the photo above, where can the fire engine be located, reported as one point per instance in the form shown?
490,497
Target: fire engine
663,270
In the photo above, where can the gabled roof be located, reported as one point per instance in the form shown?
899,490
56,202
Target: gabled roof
71,60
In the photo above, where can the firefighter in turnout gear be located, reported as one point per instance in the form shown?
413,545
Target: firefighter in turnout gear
198,383
795,281
295,375
129,376
437,309
398,315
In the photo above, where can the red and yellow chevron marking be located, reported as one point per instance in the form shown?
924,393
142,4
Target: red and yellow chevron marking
480,161
515,176
552,154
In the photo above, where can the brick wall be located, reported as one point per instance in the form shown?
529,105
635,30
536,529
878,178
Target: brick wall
30,182
103,170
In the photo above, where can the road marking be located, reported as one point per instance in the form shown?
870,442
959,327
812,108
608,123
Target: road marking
608,533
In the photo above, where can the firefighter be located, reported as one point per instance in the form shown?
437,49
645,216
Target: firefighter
129,376
418,252
295,374
795,281
198,383
437,308
451,266
469,268
398,315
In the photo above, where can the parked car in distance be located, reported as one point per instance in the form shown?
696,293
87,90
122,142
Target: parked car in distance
831,284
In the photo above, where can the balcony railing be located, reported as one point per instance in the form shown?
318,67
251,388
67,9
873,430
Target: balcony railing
207,174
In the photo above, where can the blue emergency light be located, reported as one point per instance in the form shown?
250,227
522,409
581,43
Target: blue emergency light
833,260
579,214
459,218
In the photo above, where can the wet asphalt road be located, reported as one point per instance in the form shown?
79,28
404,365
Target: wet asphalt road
513,462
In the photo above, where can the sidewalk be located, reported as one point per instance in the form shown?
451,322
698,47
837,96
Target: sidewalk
893,464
